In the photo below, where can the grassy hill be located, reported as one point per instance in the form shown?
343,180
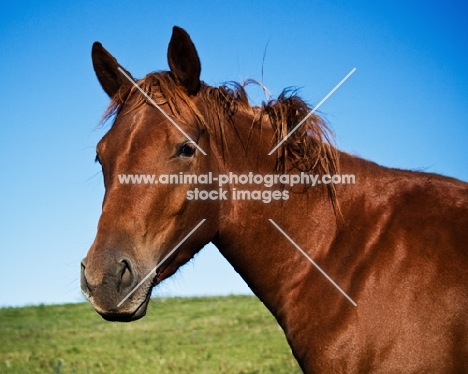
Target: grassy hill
234,334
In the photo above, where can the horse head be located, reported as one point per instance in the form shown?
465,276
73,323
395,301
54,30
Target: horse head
143,221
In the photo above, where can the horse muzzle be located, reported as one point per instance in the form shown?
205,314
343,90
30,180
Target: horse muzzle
111,284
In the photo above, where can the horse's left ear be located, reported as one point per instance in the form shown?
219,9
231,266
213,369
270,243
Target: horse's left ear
183,60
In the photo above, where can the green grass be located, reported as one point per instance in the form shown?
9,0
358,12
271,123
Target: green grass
234,334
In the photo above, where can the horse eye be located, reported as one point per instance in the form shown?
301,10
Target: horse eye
187,150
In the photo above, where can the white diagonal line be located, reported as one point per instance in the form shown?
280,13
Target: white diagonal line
312,261
162,111
312,111
161,262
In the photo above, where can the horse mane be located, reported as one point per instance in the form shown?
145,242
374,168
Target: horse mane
308,149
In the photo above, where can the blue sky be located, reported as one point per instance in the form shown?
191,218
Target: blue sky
405,106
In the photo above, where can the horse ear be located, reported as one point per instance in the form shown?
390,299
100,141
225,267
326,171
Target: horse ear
106,68
183,60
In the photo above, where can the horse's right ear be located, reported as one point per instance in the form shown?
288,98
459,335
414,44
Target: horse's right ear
106,68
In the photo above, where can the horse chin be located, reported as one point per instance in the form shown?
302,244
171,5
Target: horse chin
126,316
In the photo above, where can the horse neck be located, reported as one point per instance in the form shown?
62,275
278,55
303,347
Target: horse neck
269,264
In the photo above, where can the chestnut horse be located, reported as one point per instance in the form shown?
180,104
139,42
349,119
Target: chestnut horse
395,241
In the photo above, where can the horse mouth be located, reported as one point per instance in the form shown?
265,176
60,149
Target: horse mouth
127,316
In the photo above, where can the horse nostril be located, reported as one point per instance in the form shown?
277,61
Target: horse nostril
84,282
127,276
